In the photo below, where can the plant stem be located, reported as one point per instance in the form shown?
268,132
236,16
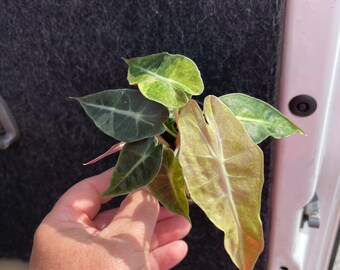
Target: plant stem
163,141
173,134
178,138
176,116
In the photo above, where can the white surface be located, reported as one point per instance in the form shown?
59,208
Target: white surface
337,261
12,265
308,165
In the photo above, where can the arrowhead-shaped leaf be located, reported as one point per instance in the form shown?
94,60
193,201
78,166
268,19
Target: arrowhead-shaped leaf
137,165
125,114
223,170
259,118
169,186
165,78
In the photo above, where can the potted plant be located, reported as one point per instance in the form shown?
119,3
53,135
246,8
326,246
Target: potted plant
181,152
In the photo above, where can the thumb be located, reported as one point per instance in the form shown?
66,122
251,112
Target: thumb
137,216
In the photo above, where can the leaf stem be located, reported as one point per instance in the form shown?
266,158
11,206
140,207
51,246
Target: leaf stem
176,151
176,115
178,138
173,134
163,141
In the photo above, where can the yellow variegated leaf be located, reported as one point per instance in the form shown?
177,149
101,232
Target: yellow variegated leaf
223,169
165,78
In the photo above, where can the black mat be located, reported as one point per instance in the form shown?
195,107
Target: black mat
50,50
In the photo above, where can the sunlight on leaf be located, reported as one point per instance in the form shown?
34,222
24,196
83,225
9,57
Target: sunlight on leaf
165,78
169,186
125,114
223,170
259,118
137,165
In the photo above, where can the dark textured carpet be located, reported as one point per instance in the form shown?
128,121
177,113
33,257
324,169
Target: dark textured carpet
50,50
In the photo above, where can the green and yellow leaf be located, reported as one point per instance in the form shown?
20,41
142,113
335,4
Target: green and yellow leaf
137,165
165,78
259,118
169,186
223,170
125,114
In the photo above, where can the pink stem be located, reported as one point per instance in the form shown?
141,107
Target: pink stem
114,149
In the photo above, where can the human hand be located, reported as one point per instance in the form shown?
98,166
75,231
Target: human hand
138,235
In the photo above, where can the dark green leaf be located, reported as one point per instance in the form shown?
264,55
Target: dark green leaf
125,114
169,186
259,118
165,78
137,165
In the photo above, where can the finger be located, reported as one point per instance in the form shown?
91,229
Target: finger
168,230
166,257
84,197
136,216
104,218
165,213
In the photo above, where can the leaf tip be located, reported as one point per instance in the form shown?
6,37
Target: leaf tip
125,60
90,162
105,195
300,131
188,219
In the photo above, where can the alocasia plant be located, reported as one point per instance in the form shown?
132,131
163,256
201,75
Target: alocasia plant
212,156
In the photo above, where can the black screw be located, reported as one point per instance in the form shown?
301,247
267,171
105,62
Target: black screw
302,105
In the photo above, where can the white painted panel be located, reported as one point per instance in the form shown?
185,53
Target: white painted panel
308,165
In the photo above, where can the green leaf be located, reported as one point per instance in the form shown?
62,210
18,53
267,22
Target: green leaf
259,118
170,124
137,165
125,114
165,78
223,170
169,186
